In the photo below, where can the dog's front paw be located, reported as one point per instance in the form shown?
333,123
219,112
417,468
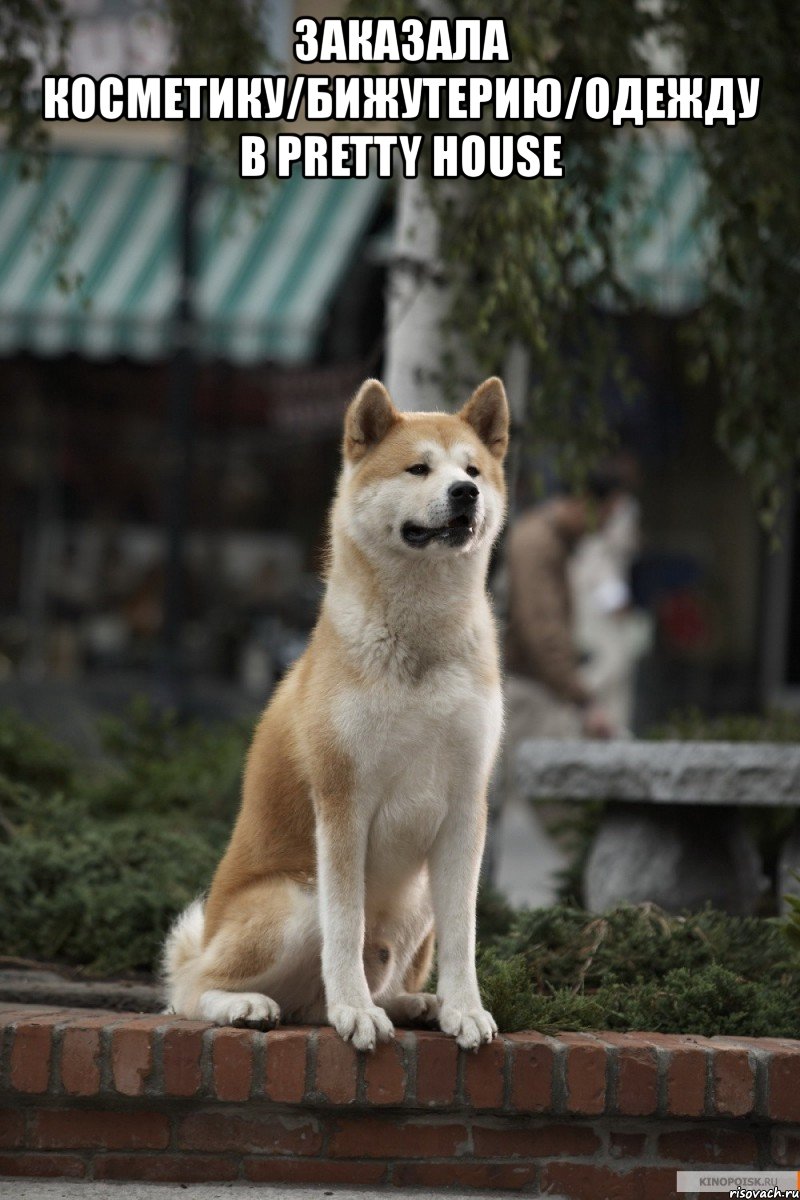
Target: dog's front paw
361,1026
468,1025
413,1006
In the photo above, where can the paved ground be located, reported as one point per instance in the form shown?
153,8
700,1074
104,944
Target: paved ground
24,1189
527,858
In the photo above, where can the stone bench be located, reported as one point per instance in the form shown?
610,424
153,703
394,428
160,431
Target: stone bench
672,831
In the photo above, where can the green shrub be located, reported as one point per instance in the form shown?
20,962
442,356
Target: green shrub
30,756
160,765
95,863
710,1002
96,860
567,947
100,894
637,968
692,725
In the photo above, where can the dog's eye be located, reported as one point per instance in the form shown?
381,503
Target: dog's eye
472,471
419,469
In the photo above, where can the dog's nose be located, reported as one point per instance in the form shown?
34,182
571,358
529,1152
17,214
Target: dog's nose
462,494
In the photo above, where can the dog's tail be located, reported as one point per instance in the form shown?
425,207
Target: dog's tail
180,959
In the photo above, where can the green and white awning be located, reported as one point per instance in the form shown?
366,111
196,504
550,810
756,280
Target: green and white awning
89,254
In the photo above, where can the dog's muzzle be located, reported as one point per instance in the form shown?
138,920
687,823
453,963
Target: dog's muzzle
462,498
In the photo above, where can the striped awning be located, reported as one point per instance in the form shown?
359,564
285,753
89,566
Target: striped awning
89,259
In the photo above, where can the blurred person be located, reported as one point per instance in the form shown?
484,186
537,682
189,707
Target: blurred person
547,695
611,634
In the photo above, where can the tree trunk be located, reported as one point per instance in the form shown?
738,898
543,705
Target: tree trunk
418,300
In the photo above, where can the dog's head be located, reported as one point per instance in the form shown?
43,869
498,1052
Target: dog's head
427,484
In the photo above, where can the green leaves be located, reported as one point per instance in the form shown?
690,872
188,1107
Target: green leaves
33,35
638,968
512,248
96,860
791,925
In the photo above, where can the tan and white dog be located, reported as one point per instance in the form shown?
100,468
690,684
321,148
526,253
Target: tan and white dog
364,801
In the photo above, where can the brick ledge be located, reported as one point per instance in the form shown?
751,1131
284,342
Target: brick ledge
124,1096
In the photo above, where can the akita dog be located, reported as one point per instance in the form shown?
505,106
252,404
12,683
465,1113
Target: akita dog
364,799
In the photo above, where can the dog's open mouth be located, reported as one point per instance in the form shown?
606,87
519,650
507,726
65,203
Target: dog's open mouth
456,532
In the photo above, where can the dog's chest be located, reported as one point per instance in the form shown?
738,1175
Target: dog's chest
393,731
415,750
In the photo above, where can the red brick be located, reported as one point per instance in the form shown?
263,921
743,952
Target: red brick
637,1074
92,1018
337,1068
166,1168
73,1129
585,1074
687,1071
770,1044
580,1181
286,1065
182,1049
374,1137
313,1170
80,1061
734,1083
11,1013
484,1075
584,1182
785,1148
534,1141
131,1059
80,1016
31,1054
232,1063
784,1085
658,1183
267,1132
531,1073
626,1145
437,1064
385,1073
506,1176
50,1166
12,1128
709,1146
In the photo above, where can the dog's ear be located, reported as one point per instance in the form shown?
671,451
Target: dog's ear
369,418
487,412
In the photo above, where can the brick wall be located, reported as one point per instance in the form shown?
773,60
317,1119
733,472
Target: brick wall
104,1095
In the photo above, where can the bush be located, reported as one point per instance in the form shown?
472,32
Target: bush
30,756
100,895
637,968
95,863
96,860
161,766
691,725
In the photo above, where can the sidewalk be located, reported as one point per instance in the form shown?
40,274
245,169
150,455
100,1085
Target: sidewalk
527,857
27,1189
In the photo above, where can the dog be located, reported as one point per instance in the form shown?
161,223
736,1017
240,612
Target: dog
363,812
